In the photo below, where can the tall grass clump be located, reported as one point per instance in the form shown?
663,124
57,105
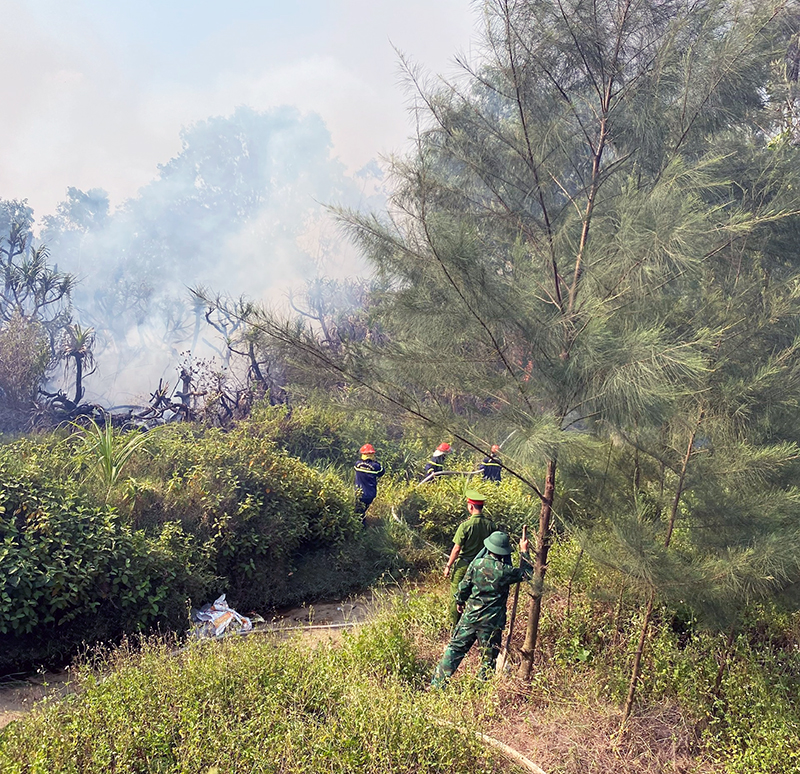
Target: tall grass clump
109,451
255,704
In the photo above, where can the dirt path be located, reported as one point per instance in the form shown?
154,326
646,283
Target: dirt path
20,696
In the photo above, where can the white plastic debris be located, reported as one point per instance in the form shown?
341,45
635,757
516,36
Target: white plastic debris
216,619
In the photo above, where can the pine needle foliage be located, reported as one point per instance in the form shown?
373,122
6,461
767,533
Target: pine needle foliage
565,248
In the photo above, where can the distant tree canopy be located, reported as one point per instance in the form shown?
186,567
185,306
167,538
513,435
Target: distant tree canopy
237,208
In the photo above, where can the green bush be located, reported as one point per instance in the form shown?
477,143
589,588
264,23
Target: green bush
254,510
194,513
332,436
437,508
73,571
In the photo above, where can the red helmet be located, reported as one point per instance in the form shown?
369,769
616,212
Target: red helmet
367,448
443,447
495,449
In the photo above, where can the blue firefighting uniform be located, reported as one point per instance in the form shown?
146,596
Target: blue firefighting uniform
491,469
367,474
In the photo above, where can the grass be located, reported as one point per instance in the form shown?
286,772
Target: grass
360,705
259,705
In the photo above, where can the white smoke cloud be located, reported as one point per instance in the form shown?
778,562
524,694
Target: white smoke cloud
99,91
239,210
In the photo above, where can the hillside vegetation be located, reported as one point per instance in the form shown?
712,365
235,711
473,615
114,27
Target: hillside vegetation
196,512
277,704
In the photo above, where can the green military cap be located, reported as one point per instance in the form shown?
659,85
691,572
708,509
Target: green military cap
475,497
498,543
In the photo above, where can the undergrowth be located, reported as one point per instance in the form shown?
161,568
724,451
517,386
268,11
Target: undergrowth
260,704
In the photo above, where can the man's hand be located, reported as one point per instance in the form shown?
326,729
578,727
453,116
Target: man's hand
523,544
460,608
447,571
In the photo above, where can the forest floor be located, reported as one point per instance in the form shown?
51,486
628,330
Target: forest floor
570,736
18,697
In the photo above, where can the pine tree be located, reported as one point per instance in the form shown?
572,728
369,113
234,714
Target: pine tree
563,193
714,522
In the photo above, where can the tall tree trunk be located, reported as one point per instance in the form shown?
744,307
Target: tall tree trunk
539,569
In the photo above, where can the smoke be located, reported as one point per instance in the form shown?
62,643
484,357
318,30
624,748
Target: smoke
239,210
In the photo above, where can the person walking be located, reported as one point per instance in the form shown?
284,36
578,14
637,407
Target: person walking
482,596
467,544
368,471
436,463
490,467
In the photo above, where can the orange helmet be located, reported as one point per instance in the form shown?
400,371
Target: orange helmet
495,449
367,448
443,447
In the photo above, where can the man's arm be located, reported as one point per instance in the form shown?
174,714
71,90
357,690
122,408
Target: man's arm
454,554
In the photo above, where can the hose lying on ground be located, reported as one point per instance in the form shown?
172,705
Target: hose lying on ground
502,747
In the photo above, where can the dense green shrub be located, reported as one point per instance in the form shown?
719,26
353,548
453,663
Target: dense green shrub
256,511
332,436
196,513
437,508
74,571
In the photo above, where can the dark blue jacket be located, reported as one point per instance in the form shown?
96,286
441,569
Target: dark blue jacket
367,474
435,464
490,468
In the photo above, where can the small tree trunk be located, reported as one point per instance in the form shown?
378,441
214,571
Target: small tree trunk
637,660
569,586
254,367
78,377
716,691
673,515
723,664
539,569
618,615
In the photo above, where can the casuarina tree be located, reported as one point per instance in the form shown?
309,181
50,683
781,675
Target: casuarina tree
563,191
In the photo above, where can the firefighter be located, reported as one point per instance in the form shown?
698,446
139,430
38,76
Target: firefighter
467,544
490,467
482,597
368,471
437,460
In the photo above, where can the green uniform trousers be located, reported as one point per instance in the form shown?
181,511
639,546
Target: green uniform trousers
462,640
459,571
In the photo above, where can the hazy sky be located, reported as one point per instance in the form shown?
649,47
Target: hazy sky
95,92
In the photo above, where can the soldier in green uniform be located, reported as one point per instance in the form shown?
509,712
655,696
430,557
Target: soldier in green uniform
482,598
467,544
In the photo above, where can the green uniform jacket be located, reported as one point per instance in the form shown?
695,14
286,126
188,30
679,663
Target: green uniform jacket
470,536
484,591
